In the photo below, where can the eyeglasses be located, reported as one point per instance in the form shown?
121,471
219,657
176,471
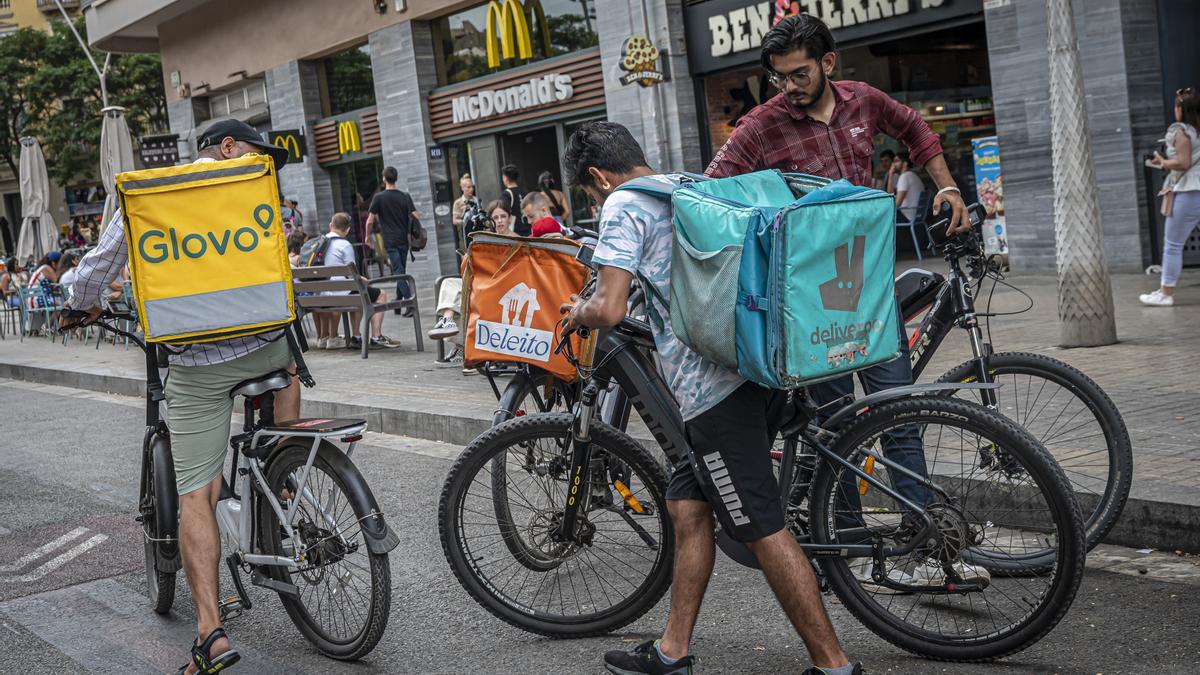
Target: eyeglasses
797,78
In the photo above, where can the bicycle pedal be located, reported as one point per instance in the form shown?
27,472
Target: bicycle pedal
231,608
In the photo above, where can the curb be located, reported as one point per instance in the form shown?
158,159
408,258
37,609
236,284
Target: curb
1144,523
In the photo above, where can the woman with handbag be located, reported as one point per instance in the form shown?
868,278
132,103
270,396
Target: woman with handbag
1180,192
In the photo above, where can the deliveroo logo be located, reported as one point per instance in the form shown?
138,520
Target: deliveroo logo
842,292
155,246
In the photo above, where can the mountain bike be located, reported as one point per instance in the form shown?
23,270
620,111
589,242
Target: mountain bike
578,541
1059,405
294,514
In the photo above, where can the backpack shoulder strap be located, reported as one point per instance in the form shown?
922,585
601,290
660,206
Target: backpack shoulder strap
656,188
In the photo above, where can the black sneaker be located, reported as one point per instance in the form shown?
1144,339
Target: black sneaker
644,658
858,670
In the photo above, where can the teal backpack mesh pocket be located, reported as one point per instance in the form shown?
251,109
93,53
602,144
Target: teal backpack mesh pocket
704,287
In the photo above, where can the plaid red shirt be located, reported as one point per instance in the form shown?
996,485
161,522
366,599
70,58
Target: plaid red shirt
776,135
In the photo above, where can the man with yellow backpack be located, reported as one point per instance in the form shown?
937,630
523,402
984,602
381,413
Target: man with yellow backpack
201,376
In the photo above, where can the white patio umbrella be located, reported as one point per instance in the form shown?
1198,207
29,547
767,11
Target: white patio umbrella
39,235
116,155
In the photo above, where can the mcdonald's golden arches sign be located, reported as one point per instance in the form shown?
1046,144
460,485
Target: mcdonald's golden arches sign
347,137
291,140
508,29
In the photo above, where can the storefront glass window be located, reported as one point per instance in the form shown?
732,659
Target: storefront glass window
461,39
347,82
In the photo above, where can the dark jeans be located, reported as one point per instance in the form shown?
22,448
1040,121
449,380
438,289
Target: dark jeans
902,445
399,258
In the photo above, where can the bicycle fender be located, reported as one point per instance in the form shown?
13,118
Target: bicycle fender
158,447
380,538
854,407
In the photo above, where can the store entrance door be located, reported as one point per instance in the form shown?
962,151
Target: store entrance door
533,151
354,186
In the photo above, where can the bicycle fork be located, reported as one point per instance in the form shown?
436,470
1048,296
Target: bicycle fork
577,478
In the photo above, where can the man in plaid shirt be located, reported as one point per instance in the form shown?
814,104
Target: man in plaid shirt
825,128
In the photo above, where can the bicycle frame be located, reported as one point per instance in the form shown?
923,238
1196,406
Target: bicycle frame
953,306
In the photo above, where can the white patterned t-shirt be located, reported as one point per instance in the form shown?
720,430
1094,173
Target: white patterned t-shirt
635,235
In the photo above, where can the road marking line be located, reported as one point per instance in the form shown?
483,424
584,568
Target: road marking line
57,562
42,550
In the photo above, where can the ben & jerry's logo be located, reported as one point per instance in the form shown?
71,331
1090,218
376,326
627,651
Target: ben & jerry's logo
639,58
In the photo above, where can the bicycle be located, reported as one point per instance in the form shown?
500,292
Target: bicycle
1044,395
1063,408
294,512
540,555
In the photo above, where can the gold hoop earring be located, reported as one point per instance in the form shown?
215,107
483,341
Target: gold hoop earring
606,186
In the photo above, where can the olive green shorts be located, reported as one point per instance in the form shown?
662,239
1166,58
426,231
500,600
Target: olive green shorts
199,410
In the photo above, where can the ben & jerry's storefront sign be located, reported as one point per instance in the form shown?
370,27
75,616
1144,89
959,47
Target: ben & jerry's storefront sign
727,33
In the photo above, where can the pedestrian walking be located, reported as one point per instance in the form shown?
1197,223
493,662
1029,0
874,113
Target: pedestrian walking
392,210
1180,192
513,196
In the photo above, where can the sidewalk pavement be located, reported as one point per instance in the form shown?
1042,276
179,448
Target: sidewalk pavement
401,391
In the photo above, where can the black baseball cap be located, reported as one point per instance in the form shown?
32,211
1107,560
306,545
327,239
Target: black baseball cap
240,131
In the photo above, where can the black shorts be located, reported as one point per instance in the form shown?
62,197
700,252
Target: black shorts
374,293
734,473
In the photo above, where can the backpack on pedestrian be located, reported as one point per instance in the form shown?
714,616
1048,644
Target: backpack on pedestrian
312,253
786,278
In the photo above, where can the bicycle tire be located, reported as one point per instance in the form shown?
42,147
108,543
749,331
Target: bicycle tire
282,462
1100,519
159,585
1067,568
481,453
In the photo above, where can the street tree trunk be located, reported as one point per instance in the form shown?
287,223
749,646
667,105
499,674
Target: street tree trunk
1085,304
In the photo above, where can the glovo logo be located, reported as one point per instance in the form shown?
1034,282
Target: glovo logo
508,33
156,246
290,143
348,137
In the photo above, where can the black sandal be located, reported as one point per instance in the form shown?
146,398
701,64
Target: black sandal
206,665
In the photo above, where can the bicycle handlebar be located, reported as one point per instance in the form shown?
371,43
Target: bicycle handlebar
103,319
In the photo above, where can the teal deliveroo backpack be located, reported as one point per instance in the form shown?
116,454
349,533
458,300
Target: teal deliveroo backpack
786,278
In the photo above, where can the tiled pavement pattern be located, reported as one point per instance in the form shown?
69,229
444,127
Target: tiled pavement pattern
1150,374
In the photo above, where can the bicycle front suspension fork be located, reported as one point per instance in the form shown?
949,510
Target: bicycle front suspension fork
577,478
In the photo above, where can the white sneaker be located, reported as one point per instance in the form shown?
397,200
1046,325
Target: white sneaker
445,328
1157,299
322,343
336,343
927,574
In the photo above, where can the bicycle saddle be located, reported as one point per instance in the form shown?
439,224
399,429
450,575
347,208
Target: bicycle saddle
257,386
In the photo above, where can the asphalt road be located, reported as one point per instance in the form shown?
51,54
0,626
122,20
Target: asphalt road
69,473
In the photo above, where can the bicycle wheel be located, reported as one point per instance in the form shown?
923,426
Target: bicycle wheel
345,589
558,589
1074,419
935,600
159,585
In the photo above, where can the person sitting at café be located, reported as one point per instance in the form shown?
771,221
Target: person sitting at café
339,251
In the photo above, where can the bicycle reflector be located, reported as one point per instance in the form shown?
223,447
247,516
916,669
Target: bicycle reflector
869,469
630,500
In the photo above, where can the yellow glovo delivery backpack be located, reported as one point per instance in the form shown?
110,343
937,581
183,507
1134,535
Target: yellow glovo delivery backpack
206,250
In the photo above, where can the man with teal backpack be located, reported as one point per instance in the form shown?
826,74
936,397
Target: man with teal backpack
730,422
825,128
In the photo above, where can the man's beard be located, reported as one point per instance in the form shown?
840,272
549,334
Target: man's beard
823,83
